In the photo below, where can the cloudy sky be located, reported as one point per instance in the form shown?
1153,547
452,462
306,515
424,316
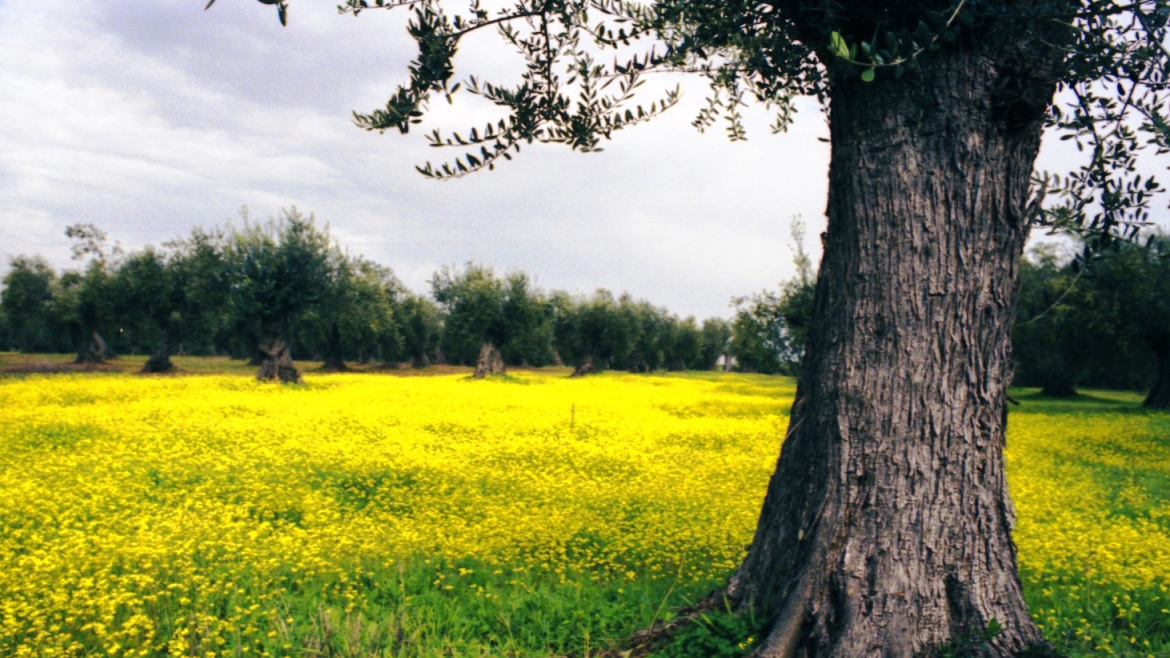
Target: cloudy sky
150,117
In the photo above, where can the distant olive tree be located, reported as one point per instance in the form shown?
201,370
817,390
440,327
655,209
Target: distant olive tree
26,301
147,302
278,271
1131,288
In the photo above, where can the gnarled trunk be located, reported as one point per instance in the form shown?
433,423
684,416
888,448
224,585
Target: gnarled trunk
276,359
1159,396
489,362
886,529
93,351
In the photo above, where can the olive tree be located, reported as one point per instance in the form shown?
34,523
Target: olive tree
1057,335
355,311
418,319
475,301
147,302
86,298
25,300
1132,288
277,271
716,334
886,528
199,266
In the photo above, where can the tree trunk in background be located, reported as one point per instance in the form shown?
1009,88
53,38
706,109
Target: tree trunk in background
160,359
585,366
1159,396
334,359
94,351
489,362
276,359
886,529
638,364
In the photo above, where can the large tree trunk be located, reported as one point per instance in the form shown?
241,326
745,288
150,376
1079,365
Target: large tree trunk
160,359
886,529
489,362
276,362
92,351
1159,396
334,359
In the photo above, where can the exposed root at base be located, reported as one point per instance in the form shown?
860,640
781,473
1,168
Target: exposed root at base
642,642
784,637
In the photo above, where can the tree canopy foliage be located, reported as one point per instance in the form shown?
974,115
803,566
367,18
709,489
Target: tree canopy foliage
1113,77
229,289
1100,322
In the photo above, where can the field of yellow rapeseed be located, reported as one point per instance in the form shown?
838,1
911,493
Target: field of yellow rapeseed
133,502
1090,479
370,514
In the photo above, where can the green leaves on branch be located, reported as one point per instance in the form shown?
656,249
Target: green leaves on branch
1116,65
899,48
564,96
839,47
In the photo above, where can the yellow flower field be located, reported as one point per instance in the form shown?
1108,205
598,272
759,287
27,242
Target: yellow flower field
215,515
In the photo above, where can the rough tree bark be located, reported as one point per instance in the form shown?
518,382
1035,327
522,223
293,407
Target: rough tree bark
334,360
276,359
886,529
489,362
1159,396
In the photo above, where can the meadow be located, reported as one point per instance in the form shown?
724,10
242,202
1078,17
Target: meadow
380,514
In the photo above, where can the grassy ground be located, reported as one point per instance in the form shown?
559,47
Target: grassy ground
365,514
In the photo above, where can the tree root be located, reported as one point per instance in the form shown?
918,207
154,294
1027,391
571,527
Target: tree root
784,637
782,641
643,642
